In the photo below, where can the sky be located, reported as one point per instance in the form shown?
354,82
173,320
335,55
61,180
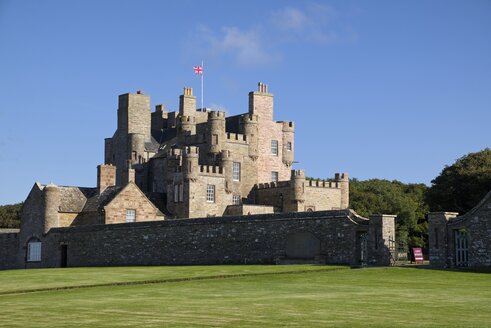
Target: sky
378,89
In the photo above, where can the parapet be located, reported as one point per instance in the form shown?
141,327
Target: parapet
237,137
174,153
249,118
272,185
287,126
341,177
160,108
191,151
216,115
188,119
213,170
298,174
324,184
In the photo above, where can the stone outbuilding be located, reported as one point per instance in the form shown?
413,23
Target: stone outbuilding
461,241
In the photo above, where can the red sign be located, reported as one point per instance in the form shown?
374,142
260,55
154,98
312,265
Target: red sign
418,254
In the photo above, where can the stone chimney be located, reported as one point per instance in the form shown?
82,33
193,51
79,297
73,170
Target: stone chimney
128,175
106,177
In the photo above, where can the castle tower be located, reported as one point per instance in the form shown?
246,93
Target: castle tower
173,163
261,103
136,147
227,164
187,127
249,128
159,118
106,177
51,198
343,180
215,136
190,163
134,114
187,103
288,136
298,186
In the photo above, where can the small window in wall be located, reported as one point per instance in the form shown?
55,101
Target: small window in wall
274,147
130,215
210,193
215,139
176,193
34,250
274,176
236,171
181,192
236,200
289,146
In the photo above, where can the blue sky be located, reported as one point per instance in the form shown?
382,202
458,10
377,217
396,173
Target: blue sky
378,89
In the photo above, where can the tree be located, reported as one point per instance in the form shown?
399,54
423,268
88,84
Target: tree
10,215
461,186
394,197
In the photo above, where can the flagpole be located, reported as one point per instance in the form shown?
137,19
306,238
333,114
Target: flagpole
202,75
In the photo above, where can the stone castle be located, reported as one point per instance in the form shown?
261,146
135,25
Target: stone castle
231,175
206,164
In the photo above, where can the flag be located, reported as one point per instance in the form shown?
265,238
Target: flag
198,70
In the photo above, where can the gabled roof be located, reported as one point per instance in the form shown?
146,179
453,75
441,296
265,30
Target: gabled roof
98,201
486,200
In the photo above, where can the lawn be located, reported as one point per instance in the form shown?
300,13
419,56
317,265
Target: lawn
244,296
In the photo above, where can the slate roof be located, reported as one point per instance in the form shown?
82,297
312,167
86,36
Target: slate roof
98,201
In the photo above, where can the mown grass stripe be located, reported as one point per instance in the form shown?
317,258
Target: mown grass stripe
171,280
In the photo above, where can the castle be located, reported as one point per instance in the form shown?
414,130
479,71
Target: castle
206,164
196,187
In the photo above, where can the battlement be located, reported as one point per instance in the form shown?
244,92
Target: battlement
249,118
174,153
160,108
188,91
188,119
323,184
287,126
191,151
272,185
341,176
298,174
237,137
211,170
216,115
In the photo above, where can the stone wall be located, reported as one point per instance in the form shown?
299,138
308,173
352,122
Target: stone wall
9,247
476,227
266,238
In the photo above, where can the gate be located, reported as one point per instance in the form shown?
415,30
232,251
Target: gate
362,245
461,248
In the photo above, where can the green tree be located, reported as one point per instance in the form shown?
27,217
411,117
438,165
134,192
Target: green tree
394,197
460,186
10,215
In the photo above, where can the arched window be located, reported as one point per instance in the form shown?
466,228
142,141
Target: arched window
34,250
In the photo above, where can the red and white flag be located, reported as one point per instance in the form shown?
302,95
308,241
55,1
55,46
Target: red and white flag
198,70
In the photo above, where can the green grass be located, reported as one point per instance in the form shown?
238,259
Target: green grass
244,296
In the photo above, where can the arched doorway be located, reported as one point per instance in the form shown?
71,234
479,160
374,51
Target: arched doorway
302,245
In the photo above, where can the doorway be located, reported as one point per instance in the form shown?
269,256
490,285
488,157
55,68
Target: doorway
64,256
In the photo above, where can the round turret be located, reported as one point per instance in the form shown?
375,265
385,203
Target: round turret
216,131
187,128
250,129
136,146
343,181
51,197
288,136
190,163
227,164
298,185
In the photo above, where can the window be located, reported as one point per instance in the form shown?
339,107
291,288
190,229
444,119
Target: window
274,147
289,146
236,200
176,193
236,171
130,215
210,193
274,176
215,139
34,251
